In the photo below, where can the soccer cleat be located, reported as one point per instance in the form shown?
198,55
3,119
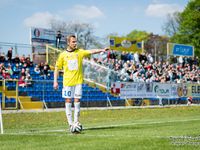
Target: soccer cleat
71,128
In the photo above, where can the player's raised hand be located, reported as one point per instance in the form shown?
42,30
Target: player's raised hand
95,51
106,49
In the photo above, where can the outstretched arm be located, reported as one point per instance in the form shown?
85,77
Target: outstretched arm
95,51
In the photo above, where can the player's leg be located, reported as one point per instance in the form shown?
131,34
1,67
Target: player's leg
67,94
68,110
77,97
76,109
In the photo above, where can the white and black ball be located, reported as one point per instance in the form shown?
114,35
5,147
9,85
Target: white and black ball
76,128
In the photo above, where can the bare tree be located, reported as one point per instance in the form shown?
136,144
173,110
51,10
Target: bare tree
171,26
58,25
156,45
83,31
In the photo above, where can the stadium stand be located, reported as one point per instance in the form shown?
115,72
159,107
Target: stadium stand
41,88
36,86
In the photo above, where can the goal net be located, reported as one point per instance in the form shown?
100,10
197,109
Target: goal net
98,74
52,55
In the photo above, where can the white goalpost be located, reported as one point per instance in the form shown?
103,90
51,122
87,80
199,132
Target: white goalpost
1,120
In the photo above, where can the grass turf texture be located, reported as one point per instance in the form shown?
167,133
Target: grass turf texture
149,128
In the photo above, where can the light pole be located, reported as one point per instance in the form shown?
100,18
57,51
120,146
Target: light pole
155,39
155,48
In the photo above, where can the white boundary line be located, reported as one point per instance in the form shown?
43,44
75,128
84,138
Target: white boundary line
45,132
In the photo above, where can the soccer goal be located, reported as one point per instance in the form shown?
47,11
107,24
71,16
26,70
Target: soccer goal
52,55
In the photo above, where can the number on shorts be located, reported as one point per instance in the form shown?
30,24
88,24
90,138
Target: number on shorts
68,93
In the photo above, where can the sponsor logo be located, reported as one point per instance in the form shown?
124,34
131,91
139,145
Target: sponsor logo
126,43
159,90
180,91
36,32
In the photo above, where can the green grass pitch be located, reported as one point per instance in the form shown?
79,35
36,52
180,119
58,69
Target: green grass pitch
114,129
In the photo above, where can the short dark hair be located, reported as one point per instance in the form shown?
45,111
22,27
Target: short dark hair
69,37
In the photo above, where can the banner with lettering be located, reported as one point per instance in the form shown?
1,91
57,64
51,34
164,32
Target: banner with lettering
125,44
180,49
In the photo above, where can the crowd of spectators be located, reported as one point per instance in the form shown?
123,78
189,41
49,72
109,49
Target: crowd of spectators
19,68
43,69
143,67
128,67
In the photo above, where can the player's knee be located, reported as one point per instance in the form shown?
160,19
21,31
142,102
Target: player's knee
76,100
67,100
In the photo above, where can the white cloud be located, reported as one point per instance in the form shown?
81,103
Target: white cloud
85,12
40,19
161,10
78,12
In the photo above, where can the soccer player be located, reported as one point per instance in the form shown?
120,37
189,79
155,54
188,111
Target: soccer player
71,62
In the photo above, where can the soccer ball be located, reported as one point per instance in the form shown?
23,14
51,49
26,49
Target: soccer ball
76,128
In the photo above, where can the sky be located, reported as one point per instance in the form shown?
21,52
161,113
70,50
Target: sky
107,16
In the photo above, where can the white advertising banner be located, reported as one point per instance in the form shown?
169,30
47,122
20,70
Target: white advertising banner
146,90
45,35
162,90
174,91
128,90
149,90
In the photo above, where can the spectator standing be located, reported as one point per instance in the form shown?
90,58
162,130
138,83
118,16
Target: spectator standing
28,61
16,59
46,72
136,57
9,54
180,60
2,58
16,69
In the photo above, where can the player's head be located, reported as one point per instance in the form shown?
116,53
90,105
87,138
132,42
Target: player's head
71,42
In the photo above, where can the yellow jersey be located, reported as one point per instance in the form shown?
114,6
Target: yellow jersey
71,63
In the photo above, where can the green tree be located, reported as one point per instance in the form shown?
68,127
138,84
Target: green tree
156,45
138,35
189,28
